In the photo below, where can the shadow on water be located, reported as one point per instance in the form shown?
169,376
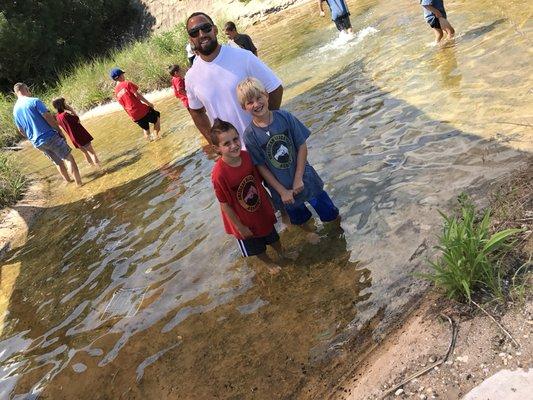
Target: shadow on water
481,30
207,324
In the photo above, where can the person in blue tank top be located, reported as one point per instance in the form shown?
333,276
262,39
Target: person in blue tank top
435,16
339,14
35,123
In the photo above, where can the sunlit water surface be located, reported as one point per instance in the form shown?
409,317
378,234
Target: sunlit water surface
129,288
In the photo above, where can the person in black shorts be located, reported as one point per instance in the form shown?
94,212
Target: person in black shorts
242,40
339,14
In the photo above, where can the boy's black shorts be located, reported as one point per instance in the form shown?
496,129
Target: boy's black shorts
433,21
257,245
150,118
343,23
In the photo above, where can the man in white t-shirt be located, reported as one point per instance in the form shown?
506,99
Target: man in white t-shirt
212,80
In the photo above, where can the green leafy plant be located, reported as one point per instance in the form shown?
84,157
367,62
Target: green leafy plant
470,258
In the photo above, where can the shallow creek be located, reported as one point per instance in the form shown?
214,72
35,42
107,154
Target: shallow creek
129,288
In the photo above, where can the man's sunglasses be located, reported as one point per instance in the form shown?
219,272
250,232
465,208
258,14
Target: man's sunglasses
205,28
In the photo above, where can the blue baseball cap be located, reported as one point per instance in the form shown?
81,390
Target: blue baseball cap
115,73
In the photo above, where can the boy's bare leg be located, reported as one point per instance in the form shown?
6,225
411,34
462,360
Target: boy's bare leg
86,155
73,169
273,269
63,171
447,27
157,128
438,34
147,134
92,154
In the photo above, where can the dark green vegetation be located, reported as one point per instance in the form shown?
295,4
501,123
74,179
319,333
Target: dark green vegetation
481,256
87,84
38,39
12,182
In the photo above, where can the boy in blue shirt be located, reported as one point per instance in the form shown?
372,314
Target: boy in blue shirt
276,142
339,14
435,16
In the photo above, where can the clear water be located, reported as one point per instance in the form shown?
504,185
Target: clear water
128,287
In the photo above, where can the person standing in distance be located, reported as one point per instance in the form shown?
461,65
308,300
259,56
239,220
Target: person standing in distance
212,80
36,123
339,14
240,39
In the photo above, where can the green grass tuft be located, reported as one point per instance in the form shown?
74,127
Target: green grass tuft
12,182
470,256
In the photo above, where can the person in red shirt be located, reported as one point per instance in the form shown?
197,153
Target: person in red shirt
134,103
246,209
178,84
69,121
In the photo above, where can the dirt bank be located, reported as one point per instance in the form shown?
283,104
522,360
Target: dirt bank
481,348
164,14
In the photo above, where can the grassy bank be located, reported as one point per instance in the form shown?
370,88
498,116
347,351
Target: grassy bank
87,85
12,182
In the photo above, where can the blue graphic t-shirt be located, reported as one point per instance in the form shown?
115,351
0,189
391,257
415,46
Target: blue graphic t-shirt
338,8
438,4
28,115
276,147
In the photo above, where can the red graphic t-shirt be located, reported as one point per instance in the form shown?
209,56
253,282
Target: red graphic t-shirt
124,92
240,187
178,83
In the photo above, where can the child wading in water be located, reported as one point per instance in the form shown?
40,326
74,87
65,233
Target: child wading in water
246,210
140,110
69,121
276,143
178,84
435,16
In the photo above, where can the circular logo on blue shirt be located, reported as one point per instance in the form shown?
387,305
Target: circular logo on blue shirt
279,151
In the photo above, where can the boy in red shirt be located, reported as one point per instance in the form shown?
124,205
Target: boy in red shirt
138,108
246,209
178,84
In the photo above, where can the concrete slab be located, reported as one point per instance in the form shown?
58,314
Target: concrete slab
504,385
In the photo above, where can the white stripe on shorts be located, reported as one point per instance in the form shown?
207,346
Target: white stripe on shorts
243,248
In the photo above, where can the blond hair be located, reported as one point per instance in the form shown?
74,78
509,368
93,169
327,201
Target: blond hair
248,89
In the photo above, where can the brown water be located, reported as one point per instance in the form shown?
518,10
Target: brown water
128,288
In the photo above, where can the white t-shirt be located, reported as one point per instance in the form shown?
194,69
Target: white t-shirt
213,84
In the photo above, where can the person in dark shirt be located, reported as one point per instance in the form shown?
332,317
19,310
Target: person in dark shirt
242,40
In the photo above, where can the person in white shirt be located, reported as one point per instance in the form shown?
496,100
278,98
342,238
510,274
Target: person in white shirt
212,80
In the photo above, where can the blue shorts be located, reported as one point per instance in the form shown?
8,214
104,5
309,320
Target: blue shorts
56,149
433,21
257,245
323,206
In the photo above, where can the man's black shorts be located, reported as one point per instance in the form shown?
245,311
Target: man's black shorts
343,23
150,118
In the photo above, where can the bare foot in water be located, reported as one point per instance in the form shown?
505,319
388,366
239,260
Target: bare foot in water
273,270
313,238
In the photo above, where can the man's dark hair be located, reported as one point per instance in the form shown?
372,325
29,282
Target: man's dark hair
220,126
173,69
230,26
196,14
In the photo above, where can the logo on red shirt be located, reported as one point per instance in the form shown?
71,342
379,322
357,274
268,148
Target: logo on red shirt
248,195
